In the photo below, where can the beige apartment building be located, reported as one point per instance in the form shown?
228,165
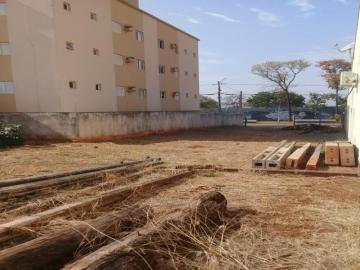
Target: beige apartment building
93,56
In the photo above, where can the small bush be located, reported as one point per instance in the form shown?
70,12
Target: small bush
11,135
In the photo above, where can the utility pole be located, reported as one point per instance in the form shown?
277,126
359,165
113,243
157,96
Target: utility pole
241,100
219,96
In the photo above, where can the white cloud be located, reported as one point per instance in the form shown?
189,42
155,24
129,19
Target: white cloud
222,17
303,5
344,2
267,18
193,20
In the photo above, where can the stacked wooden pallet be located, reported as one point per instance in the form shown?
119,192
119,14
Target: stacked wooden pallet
289,156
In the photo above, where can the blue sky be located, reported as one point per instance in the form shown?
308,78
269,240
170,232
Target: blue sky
236,34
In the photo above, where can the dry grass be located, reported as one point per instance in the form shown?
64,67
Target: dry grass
301,222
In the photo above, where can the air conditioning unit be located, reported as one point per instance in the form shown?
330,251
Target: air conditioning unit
129,60
348,79
128,28
130,89
174,69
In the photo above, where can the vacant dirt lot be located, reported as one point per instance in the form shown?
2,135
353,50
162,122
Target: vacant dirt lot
292,222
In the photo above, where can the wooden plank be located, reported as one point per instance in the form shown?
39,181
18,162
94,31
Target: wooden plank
306,172
278,159
53,251
115,195
315,160
260,160
332,155
297,159
135,251
347,154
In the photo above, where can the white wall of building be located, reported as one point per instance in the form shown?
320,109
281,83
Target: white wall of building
33,54
354,98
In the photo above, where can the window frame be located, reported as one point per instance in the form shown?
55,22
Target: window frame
139,36
5,48
67,6
73,85
163,95
121,90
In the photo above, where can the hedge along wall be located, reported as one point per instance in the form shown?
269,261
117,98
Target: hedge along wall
11,135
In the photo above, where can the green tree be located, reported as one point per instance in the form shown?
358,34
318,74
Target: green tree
331,73
282,74
316,103
207,103
274,99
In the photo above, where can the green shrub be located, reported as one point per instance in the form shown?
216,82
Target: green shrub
11,135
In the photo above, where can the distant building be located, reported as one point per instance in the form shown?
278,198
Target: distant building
93,56
354,97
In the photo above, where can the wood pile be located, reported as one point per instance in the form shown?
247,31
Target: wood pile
292,156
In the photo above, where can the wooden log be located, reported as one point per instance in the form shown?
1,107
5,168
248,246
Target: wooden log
332,154
315,160
137,250
19,181
278,159
36,187
260,160
32,207
15,227
347,154
297,159
56,249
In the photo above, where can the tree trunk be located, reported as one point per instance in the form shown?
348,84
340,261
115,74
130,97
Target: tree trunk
337,101
289,104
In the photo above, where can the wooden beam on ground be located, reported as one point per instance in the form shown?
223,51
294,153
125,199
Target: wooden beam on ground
137,250
307,172
278,159
33,206
332,154
260,160
19,181
56,249
297,159
315,160
347,154
116,195
36,187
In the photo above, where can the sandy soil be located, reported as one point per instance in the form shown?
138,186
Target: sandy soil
294,222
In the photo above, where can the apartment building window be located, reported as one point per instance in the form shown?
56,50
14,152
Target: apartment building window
117,27
7,88
120,91
163,94
93,16
176,96
72,84
70,46
67,6
98,87
162,69
186,51
187,95
195,75
141,64
96,51
195,96
4,49
139,36
142,92
3,9
186,73
161,44
118,60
